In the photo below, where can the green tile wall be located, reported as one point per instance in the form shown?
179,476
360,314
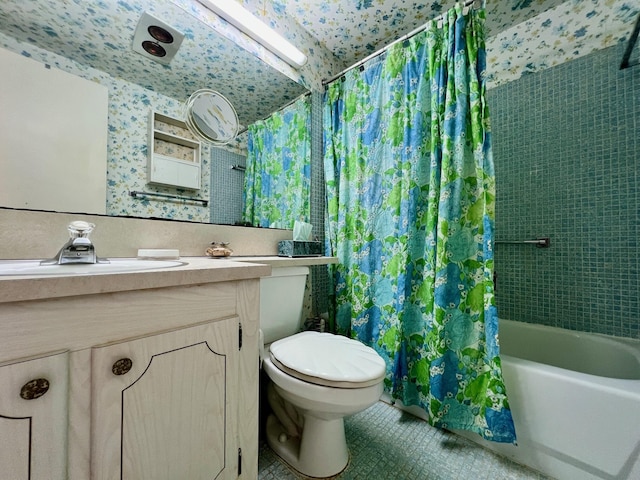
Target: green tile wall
566,144
319,275
227,186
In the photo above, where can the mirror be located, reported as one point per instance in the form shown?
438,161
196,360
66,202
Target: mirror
211,117
93,40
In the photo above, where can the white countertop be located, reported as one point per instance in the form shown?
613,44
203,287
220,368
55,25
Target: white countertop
276,261
198,270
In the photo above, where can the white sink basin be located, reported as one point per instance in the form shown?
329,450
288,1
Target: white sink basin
116,265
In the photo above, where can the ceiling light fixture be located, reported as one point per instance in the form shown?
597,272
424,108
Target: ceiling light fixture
243,19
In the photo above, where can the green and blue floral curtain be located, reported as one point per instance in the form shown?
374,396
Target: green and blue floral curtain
278,171
411,194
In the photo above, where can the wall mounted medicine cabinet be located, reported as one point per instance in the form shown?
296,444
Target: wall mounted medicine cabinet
174,154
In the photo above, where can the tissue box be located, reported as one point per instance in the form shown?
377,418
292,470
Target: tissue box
295,248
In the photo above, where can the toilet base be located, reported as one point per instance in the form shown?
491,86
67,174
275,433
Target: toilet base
321,451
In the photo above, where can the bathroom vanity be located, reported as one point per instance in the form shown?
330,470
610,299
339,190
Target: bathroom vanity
143,375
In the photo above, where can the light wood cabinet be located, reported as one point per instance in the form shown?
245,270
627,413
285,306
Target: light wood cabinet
33,418
162,405
152,384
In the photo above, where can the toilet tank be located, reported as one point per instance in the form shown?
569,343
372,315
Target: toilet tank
281,299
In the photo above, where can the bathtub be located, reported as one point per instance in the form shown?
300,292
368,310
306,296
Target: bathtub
575,400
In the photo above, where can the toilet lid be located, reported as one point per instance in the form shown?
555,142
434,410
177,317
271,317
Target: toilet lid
327,359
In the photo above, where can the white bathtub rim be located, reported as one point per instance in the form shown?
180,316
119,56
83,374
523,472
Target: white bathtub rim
626,346
632,343
621,386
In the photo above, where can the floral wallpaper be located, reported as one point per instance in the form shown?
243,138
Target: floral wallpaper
99,34
129,107
523,35
92,39
356,28
569,31
321,62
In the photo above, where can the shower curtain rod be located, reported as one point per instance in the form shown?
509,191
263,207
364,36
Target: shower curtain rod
467,3
281,108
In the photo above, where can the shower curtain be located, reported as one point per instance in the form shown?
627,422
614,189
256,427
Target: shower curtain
277,179
410,192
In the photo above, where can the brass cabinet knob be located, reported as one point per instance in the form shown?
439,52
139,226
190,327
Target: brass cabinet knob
34,389
122,366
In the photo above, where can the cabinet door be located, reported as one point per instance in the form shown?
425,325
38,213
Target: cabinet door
33,418
173,172
164,406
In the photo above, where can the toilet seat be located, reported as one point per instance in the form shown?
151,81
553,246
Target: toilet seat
328,360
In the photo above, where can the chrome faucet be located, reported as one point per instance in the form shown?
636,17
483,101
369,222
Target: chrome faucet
78,249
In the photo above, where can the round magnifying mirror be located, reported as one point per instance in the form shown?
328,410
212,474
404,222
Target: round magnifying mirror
211,117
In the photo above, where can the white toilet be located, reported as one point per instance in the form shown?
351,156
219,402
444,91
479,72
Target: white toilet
316,379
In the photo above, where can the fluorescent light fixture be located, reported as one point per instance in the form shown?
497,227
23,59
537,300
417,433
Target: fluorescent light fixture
243,19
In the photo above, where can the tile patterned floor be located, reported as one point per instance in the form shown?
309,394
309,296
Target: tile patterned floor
388,444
